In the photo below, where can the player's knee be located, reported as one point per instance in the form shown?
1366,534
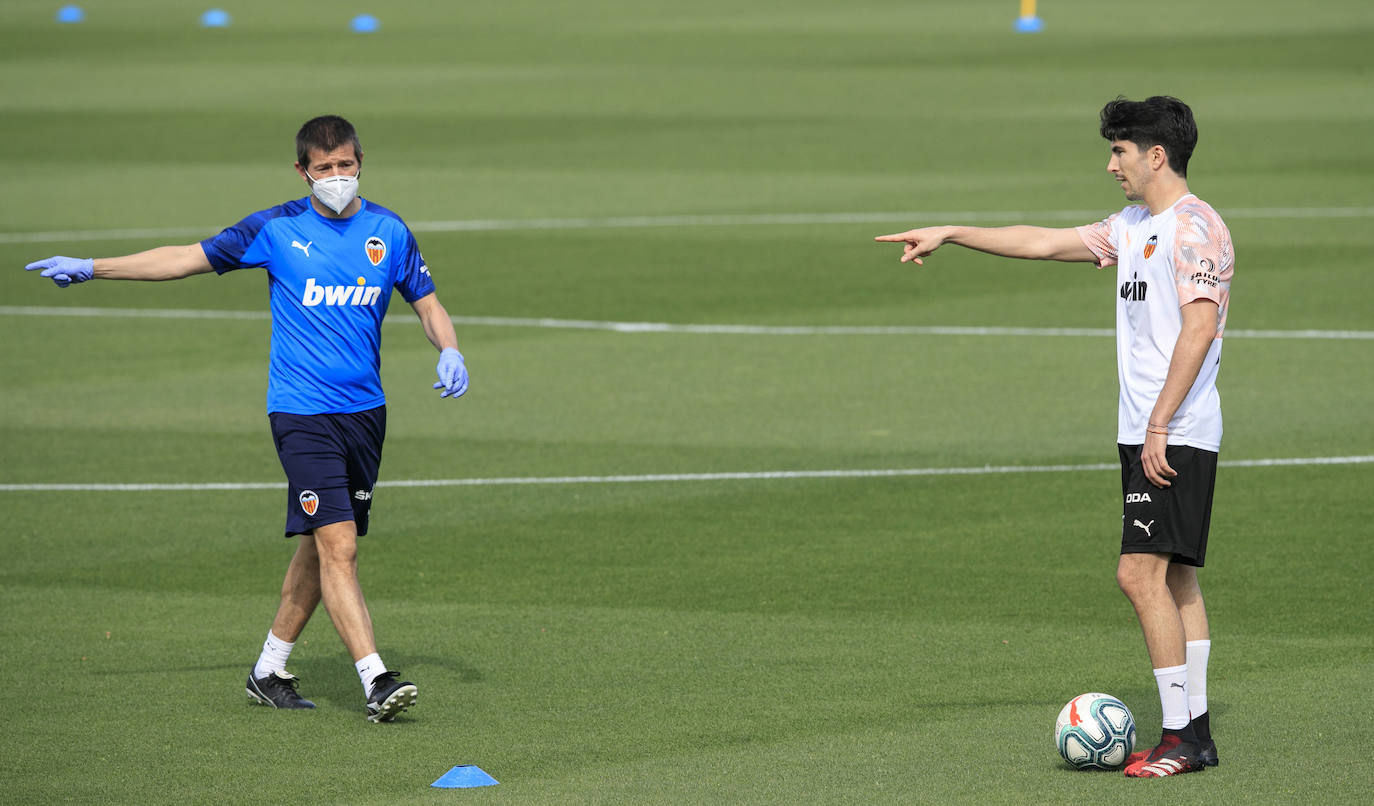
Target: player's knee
342,552
1126,580
1136,579
337,545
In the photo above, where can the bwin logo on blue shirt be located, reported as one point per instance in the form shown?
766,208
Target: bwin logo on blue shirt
360,294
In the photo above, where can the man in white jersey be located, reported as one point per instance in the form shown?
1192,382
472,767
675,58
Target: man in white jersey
1174,264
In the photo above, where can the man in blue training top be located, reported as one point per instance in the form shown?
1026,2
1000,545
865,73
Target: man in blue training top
332,260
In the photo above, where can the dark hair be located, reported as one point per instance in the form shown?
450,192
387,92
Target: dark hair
1160,120
325,133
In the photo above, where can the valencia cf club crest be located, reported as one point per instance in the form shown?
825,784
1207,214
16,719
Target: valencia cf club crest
1149,246
376,250
309,501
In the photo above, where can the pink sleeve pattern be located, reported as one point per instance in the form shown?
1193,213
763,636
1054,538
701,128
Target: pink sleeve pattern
1098,238
1203,259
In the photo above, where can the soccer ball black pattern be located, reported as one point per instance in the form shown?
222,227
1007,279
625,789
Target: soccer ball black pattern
1095,732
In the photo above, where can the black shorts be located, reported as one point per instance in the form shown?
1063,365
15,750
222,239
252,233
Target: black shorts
331,463
1171,520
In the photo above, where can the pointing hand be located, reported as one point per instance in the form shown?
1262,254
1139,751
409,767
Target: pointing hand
65,270
916,243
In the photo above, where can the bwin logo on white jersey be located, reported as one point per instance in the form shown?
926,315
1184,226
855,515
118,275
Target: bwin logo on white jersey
334,295
1134,290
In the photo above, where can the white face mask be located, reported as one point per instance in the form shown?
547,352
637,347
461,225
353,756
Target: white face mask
334,192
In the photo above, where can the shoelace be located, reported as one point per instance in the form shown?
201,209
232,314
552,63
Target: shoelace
383,678
273,681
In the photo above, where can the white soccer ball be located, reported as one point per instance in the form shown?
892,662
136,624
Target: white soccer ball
1095,732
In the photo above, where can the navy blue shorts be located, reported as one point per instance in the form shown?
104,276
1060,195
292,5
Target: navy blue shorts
331,463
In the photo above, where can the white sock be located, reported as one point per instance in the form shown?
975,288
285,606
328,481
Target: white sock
1173,695
273,658
368,669
1198,652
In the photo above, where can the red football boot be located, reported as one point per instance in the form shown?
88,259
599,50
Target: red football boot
1173,756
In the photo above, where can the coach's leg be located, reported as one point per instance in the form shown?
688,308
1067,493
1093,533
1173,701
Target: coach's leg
337,547
300,594
300,591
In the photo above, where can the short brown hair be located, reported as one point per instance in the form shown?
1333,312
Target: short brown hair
325,133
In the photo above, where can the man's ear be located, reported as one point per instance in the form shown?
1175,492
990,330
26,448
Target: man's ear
1158,157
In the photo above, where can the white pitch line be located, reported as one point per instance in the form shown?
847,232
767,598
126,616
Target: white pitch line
683,477
130,313
705,220
669,327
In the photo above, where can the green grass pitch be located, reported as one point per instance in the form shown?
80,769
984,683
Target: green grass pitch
864,640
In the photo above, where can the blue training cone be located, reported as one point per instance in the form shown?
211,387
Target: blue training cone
70,14
463,777
365,24
215,18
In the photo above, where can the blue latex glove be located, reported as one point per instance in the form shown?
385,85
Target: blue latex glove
65,270
453,374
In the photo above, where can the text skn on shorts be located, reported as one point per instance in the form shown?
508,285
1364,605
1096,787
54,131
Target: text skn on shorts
331,463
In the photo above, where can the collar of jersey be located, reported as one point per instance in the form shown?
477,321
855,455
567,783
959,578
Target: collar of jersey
340,223
1162,213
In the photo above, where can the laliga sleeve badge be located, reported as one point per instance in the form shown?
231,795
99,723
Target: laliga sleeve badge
376,250
309,501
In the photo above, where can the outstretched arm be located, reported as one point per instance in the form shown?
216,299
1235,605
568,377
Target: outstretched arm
452,370
1032,243
162,263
